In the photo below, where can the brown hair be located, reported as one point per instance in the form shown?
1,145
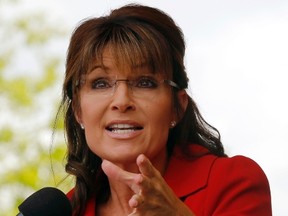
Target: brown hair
135,32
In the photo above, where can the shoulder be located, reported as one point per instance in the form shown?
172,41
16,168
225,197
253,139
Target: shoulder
238,173
237,163
238,168
242,186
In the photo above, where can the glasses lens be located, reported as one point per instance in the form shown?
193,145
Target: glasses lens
146,87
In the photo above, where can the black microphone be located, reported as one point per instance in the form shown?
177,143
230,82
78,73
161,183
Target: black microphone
47,201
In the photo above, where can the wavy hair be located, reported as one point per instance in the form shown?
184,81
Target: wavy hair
135,32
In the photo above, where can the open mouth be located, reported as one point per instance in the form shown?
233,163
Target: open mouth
123,128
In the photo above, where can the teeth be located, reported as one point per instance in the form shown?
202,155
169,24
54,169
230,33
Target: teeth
123,131
121,126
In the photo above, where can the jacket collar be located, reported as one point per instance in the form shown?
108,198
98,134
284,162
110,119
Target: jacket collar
188,176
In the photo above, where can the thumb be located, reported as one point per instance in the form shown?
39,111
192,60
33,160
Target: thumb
116,173
111,170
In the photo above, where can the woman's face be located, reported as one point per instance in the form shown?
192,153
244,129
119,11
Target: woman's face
122,124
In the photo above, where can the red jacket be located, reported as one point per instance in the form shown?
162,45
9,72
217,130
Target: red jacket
213,186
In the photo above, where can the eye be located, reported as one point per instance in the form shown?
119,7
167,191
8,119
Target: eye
146,82
101,83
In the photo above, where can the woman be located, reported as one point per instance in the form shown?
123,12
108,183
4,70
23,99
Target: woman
137,143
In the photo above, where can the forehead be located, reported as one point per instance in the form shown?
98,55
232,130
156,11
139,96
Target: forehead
109,62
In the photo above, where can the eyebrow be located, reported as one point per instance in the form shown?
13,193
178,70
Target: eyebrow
98,66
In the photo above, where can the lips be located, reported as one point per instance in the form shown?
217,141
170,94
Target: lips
121,128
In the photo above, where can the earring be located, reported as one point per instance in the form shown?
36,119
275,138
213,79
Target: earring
82,126
172,124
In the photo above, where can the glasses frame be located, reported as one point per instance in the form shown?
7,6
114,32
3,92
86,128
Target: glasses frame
114,85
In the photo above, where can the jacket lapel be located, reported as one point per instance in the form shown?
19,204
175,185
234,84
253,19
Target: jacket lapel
188,176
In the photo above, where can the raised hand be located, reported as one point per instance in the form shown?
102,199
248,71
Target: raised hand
152,196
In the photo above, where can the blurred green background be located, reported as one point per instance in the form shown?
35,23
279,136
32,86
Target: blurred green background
32,147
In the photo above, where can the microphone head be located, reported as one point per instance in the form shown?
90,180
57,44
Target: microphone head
47,201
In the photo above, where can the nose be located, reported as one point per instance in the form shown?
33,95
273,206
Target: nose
122,98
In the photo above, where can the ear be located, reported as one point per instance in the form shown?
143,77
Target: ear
183,101
77,113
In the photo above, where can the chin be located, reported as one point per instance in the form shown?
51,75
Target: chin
122,157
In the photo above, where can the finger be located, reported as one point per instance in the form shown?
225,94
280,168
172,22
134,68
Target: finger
136,200
113,171
134,213
145,166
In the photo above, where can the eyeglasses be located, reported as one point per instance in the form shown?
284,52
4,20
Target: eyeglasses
140,87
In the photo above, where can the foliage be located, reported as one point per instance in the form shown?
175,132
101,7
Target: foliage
30,68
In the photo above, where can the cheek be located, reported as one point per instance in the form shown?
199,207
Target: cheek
90,110
161,112
159,116
91,117
92,114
